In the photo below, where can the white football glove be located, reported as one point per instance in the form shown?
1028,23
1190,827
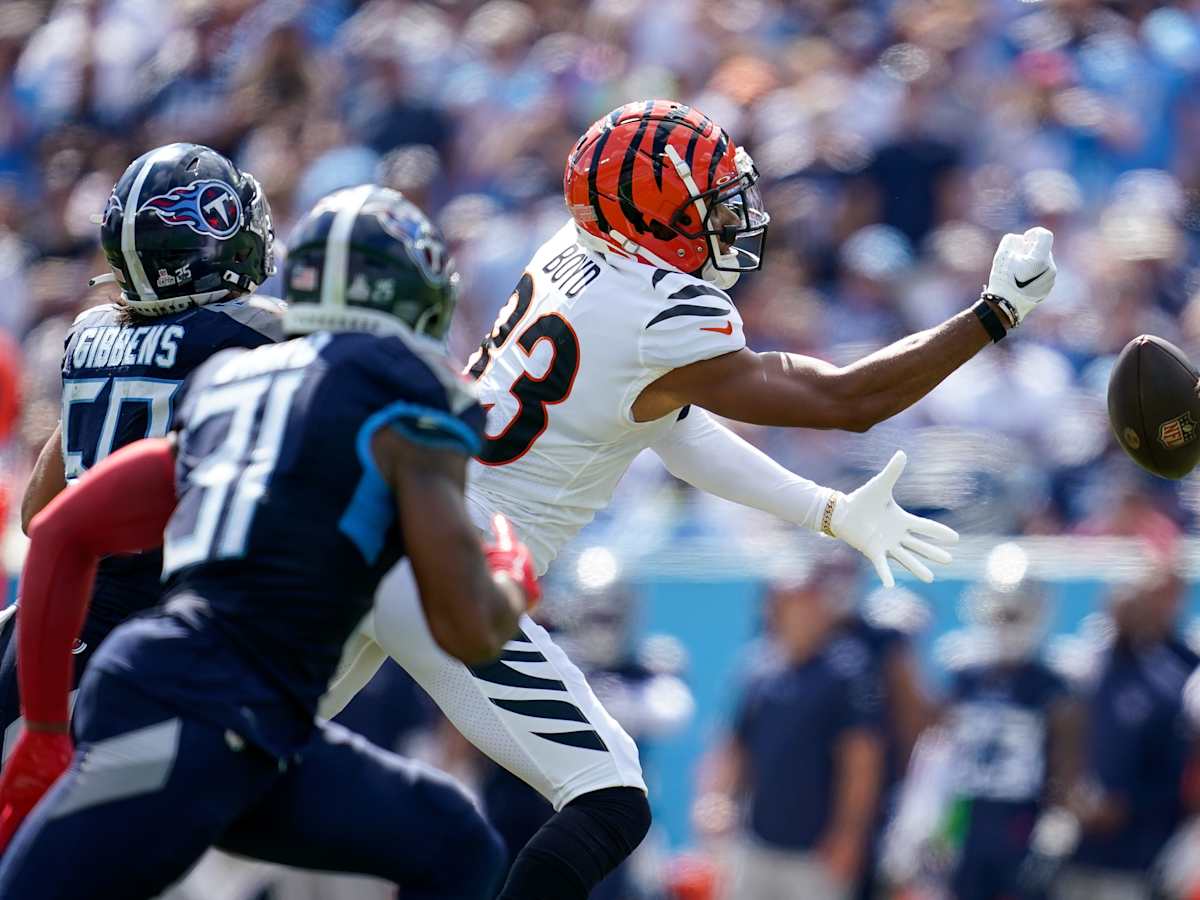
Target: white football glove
875,525
1022,273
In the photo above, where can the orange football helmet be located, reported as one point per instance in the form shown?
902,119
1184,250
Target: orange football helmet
662,182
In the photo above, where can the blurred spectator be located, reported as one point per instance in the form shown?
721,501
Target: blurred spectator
885,624
1131,801
896,141
1000,763
807,751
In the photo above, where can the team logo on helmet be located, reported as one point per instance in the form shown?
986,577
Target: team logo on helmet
207,207
414,233
111,208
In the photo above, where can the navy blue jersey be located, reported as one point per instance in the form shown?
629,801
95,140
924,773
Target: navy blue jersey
284,525
881,643
121,382
1139,747
789,721
998,717
999,724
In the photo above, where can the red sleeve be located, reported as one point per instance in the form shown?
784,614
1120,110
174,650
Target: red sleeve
10,384
120,506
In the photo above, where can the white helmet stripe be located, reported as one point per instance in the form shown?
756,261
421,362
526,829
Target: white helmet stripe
337,247
141,284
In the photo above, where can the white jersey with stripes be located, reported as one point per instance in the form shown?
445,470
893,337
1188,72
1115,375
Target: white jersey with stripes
579,340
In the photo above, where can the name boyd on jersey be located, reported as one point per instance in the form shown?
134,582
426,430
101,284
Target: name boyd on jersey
572,270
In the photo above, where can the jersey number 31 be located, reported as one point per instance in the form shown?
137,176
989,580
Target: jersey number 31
533,393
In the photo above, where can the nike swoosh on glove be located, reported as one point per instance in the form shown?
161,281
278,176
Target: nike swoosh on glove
873,523
36,762
508,556
1023,273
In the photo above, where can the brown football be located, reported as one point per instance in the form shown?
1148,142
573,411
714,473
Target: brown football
1154,406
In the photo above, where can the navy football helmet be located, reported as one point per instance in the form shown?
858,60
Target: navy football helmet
364,259
184,227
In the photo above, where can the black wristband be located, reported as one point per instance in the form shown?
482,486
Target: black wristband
1007,310
990,321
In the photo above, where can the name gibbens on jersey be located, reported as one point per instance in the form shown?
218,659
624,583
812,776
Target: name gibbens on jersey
581,337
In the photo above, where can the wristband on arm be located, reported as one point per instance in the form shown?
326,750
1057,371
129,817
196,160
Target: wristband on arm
989,318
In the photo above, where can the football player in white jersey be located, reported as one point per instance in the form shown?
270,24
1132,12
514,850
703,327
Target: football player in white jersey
618,338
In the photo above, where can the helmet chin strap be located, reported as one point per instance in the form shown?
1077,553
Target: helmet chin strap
623,243
709,272
638,250
162,307
722,278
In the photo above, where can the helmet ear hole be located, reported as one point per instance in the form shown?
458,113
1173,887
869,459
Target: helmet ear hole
661,231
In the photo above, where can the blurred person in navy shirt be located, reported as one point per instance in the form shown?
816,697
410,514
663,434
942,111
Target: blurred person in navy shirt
1014,731
1132,798
983,802
807,750
886,623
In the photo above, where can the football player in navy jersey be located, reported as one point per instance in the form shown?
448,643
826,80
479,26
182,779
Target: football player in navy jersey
1013,731
298,475
188,237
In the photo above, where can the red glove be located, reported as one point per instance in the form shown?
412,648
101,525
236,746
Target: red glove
36,762
508,556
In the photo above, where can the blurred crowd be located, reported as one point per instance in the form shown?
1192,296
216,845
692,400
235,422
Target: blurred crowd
897,139
1031,774
1037,767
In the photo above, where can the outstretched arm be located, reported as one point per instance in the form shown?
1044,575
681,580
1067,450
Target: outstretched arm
802,392
799,391
709,456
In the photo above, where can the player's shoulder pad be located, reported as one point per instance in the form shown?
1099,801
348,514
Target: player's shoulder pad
429,357
257,312
688,321
201,377
101,314
420,393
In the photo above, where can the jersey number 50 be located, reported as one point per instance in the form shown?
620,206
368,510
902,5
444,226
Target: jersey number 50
533,393
154,396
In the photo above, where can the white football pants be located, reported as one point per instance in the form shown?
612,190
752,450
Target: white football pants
532,711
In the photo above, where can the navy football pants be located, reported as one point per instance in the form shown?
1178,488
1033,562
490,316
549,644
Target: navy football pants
149,790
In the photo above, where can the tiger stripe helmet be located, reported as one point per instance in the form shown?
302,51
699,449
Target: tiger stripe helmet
662,182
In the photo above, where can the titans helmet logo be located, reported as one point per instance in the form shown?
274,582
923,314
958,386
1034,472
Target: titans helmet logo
111,208
423,247
207,207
